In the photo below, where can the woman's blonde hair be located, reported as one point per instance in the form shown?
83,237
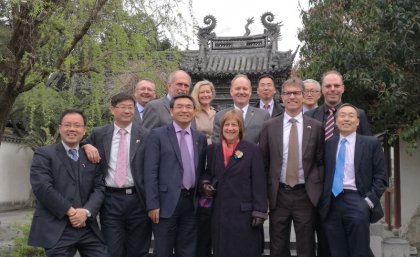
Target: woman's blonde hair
196,90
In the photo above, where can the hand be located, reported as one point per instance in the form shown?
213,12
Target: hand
78,219
154,215
92,153
257,221
208,190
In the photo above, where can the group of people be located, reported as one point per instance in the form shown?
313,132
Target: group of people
203,182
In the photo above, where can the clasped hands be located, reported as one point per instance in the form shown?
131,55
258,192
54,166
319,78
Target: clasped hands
77,217
207,189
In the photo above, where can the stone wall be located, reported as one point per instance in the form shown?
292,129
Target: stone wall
15,161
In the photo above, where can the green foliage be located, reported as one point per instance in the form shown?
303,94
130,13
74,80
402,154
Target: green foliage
22,249
375,44
124,44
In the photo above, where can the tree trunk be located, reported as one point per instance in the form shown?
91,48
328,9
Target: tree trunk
7,99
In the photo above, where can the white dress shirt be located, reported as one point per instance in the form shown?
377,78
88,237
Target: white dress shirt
287,125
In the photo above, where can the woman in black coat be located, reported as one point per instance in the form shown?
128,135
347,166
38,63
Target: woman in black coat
235,178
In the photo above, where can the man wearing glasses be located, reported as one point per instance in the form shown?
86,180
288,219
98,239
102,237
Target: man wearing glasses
120,145
292,147
311,94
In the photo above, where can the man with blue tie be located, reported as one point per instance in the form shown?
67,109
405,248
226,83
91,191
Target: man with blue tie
69,191
120,145
354,183
174,161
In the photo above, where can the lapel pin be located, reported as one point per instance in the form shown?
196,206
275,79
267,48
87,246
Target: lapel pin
83,165
309,127
137,141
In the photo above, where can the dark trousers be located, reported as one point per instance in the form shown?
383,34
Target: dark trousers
323,250
83,240
125,225
178,233
347,226
292,205
204,232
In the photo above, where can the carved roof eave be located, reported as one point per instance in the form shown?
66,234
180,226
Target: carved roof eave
282,64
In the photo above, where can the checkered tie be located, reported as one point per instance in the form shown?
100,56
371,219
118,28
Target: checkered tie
330,124
73,154
122,160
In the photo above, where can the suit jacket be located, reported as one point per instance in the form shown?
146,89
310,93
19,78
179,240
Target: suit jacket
101,138
320,113
369,168
54,184
254,120
278,109
163,168
271,143
157,113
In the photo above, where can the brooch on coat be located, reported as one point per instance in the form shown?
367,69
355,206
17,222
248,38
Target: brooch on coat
238,154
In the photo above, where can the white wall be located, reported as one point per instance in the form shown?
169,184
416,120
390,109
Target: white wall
15,161
410,182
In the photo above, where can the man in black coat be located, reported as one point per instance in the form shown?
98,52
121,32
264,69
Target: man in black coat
69,191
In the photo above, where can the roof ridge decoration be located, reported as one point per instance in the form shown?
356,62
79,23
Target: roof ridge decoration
204,35
272,30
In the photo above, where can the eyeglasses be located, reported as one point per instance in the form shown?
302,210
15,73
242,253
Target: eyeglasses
69,125
290,93
124,107
311,92
180,107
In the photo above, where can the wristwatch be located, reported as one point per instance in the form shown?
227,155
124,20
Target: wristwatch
88,214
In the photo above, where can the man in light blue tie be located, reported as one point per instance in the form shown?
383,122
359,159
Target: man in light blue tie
354,183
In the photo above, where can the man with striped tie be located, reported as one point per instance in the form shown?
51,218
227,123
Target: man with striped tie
332,89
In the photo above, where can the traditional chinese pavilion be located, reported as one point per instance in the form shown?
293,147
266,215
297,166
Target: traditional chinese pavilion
219,59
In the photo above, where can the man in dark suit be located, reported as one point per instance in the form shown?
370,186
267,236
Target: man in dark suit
69,192
266,90
124,221
292,146
332,90
144,92
157,113
174,161
241,91
354,183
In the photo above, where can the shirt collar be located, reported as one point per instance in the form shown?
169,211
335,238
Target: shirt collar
270,104
128,128
299,117
68,147
350,138
244,109
178,128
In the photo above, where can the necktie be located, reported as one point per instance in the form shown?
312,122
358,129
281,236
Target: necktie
266,107
121,168
188,177
73,154
330,124
337,187
292,156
